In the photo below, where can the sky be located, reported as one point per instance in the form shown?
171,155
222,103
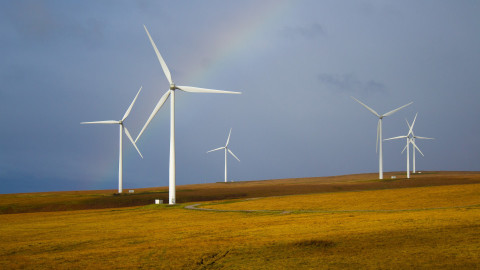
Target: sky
297,64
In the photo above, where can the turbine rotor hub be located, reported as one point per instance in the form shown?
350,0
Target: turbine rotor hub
172,86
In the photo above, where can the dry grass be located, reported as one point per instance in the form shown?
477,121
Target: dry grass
174,238
380,200
171,237
101,199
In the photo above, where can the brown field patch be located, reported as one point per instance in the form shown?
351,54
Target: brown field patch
102,199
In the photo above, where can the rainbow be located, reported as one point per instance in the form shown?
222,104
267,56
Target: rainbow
229,44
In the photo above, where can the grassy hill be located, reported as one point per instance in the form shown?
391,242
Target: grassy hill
348,222
102,199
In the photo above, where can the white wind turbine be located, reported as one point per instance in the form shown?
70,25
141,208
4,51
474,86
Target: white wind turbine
379,133
407,145
226,150
171,93
122,129
412,140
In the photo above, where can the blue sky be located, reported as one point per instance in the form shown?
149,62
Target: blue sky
296,62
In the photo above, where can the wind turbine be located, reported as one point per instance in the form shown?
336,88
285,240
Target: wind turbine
226,150
122,129
407,145
379,133
171,93
412,140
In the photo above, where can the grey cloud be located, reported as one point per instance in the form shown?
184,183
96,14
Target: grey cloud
349,83
31,18
285,124
40,21
311,31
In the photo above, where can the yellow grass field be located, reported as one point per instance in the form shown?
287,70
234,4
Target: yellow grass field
408,228
420,198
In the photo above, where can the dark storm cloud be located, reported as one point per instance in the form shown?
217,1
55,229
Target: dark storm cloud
349,83
43,21
64,62
311,31
31,18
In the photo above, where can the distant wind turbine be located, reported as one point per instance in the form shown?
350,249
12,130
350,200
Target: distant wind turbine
379,133
407,145
226,150
412,140
122,129
171,92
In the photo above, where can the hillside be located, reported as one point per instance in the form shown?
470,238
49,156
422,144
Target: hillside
345,222
102,199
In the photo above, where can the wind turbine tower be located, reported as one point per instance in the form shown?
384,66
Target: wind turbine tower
171,93
122,129
415,148
410,140
379,133
226,150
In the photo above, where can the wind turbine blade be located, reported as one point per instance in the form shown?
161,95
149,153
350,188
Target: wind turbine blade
394,138
220,148
160,58
204,90
159,105
233,154
368,108
378,135
228,139
408,124
413,123
102,122
404,148
397,109
131,105
414,145
133,142
425,138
